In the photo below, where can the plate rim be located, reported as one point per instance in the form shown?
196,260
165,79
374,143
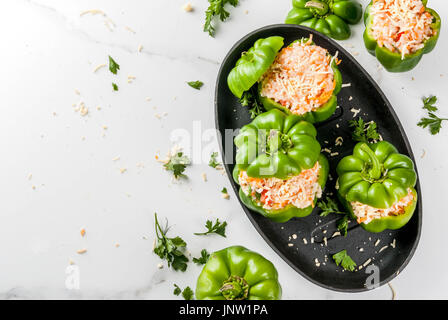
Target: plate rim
388,105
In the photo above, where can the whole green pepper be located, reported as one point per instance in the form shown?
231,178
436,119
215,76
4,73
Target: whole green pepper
393,61
323,112
236,273
253,64
330,17
378,176
278,145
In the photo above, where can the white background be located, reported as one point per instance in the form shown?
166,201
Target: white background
48,51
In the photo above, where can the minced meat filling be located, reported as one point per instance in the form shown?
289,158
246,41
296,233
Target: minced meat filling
400,25
366,214
301,78
273,193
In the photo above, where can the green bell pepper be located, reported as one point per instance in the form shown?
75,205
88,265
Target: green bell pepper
378,176
253,64
392,61
236,273
323,112
330,17
278,145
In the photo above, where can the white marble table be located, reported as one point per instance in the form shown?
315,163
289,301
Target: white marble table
58,172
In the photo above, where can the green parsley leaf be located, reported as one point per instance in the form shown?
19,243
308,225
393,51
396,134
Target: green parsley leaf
170,249
213,162
250,100
328,207
428,103
364,132
114,85
177,165
224,190
217,227
196,84
432,121
113,66
187,293
343,225
177,291
343,259
203,258
216,8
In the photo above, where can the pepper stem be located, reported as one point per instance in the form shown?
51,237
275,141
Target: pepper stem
321,8
375,170
235,288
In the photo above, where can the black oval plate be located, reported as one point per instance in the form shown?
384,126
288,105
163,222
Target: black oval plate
287,238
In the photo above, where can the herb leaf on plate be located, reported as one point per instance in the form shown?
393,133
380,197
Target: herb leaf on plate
343,259
364,132
170,249
328,207
342,225
250,100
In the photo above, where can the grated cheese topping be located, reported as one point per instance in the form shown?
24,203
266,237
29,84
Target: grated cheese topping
401,25
301,78
366,213
273,193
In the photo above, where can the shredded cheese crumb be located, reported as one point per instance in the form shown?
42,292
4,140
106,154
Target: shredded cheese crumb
81,251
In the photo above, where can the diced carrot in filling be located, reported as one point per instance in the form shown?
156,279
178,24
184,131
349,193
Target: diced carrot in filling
301,78
274,193
366,214
400,25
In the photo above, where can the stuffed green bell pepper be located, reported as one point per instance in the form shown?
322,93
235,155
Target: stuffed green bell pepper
399,33
330,17
279,166
302,79
376,184
236,273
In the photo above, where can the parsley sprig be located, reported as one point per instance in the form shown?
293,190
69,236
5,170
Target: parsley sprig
343,259
113,65
328,207
432,121
331,206
250,100
217,227
170,249
196,84
342,225
364,132
216,8
187,293
177,164
203,258
213,162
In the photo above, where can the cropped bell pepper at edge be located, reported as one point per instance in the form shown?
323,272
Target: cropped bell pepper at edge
278,145
392,60
378,176
330,17
236,273
320,114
